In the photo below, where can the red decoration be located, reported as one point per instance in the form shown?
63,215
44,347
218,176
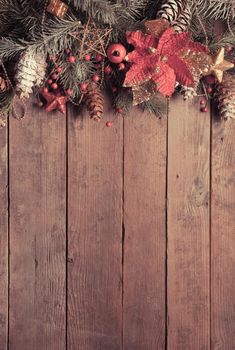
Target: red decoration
109,124
54,86
87,57
95,78
59,70
160,60
83,86
98,58
116,53
55,101
108,70
121,66
72,59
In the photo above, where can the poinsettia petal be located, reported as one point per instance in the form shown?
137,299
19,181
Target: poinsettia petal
141,71
165,79
170,42
141,40
182,72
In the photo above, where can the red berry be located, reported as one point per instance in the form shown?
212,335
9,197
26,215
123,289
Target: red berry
209,90
121,66
54,76
54,86
72,59
119,110
87,57
109,124
69,92
95,78
204,110
59,70
83,86
68,51
229,49
98,57
108,70
203,102
40,104
45,90
114,89
50,81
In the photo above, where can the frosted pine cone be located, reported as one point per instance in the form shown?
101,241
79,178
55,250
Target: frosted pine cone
30,72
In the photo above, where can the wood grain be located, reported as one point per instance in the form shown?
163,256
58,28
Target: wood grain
222,235
3,238
37,231
145,242
94,234
188,226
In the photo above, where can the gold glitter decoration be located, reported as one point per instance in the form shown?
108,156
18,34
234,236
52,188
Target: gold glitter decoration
143,92
218,66
156,27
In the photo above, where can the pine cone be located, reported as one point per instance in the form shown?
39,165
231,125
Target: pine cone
94,101
4,85
225,96
171,9
30,72
183,21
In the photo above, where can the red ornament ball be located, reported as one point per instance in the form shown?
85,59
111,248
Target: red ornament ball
45,90
72,59
109,124
121,66
108,70
98,57
54,76
116,53
95,78
69,92
87,57
54,86
59,70
83,87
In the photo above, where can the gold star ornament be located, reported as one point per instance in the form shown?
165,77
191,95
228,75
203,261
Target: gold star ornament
217,66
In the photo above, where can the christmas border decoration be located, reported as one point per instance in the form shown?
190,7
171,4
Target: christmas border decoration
140,51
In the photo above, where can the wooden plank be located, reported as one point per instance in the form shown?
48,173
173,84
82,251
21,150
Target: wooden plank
222,235
188,226
94,234
145,231
37,231
3,238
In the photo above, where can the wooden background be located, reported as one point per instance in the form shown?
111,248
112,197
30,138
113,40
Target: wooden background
118,238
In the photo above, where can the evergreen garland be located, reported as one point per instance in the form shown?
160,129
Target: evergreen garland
26,25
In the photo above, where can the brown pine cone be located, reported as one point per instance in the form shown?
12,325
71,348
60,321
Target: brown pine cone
94,101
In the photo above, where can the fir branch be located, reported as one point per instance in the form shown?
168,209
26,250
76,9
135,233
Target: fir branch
156,105
9,48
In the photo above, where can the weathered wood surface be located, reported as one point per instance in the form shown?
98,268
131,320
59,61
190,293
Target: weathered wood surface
120,238
37,232
95,187
223,235
3,238
145,232
188,227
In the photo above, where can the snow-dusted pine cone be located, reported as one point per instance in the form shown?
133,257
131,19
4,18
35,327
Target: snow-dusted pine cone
182,23
225,96
30,72
171,9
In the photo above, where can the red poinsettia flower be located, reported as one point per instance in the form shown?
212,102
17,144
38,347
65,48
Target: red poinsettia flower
160,60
